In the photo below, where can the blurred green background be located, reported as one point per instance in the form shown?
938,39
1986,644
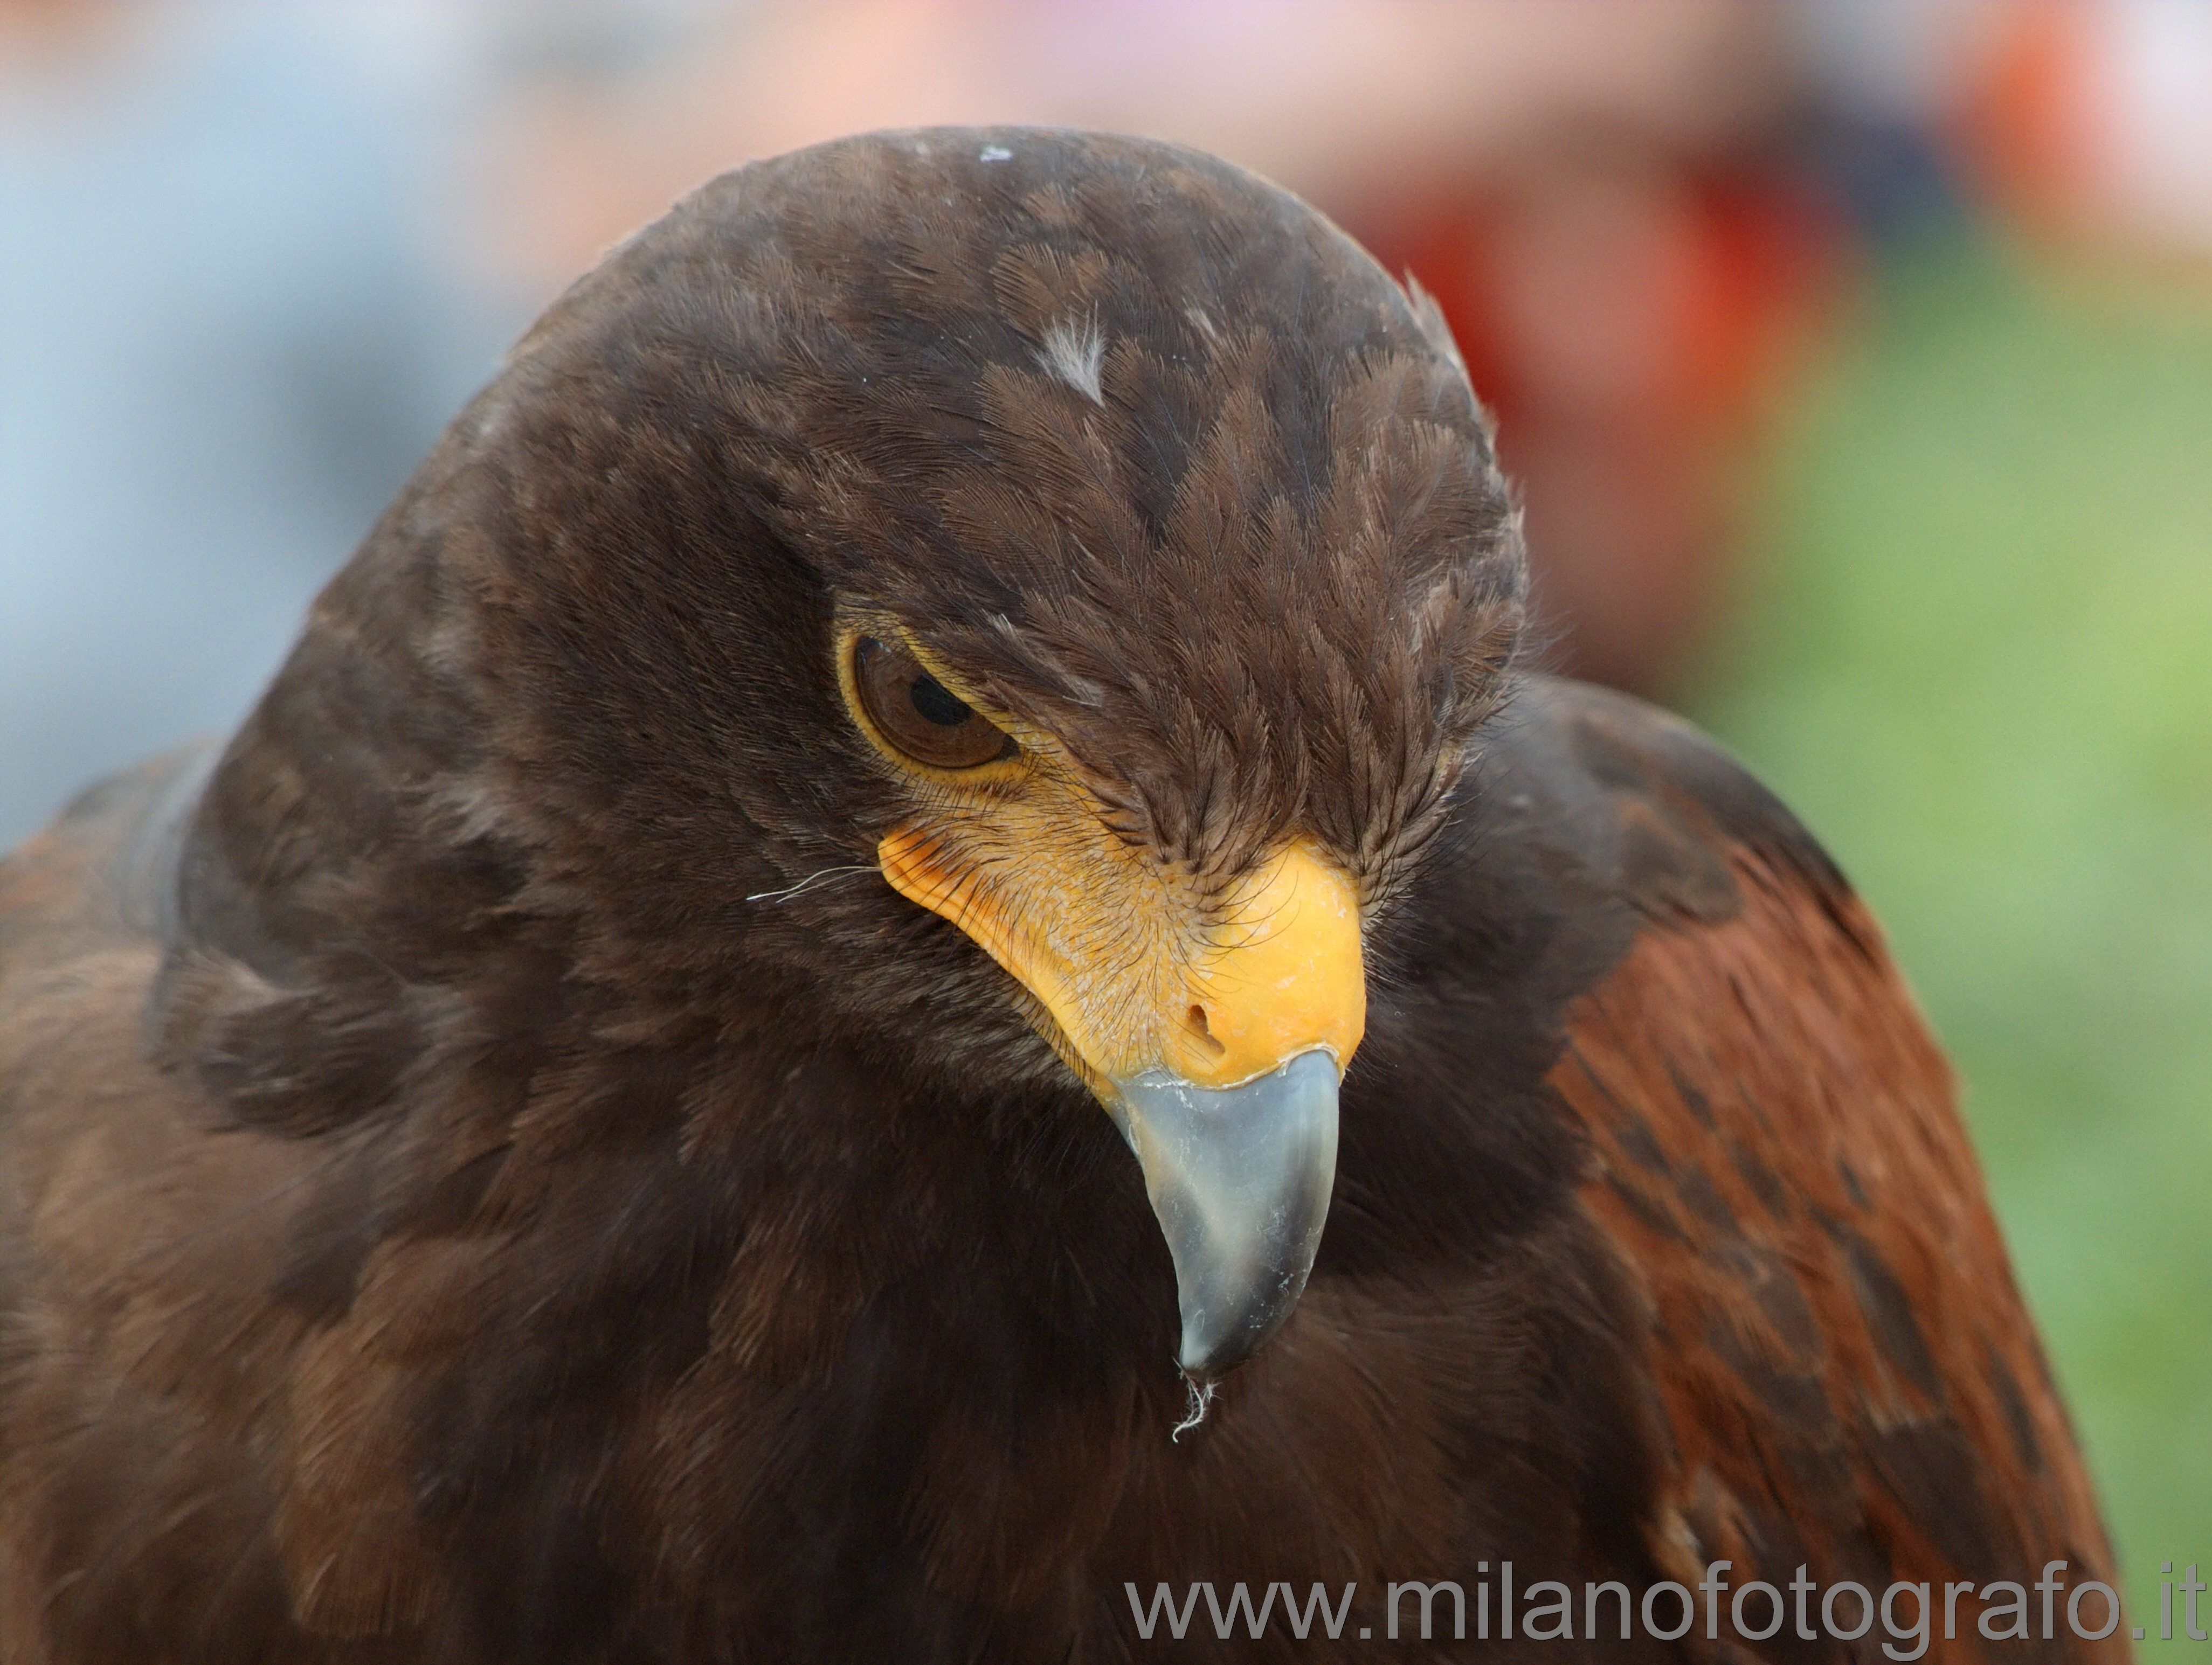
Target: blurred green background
1977,657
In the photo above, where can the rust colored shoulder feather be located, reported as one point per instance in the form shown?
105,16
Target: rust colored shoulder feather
1844,1371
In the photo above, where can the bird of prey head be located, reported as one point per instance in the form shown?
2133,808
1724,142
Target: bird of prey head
1078,532
601,1125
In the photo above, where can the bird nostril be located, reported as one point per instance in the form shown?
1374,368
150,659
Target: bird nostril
1204,1031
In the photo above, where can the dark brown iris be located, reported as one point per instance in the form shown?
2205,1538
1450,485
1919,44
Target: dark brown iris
918,714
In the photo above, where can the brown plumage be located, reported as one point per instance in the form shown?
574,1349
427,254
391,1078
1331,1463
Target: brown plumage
493,1173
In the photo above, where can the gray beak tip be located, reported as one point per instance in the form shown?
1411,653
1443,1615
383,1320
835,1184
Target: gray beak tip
1240,1178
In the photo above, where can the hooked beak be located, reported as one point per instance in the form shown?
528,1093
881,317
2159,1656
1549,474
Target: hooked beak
1214,1036
1240,1178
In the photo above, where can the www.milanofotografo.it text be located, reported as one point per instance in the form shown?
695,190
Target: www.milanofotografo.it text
1546,1610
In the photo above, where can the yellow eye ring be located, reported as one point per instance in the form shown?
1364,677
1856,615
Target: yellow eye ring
905,706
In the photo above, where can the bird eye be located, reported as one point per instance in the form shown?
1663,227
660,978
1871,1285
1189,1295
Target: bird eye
918,714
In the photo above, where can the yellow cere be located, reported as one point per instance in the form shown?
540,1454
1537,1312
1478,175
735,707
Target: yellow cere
1283,974
1133,971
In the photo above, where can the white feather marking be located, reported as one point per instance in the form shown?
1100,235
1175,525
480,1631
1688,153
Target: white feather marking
1075,352
994,153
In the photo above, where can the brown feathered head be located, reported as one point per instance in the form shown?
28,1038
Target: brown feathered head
1078,534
